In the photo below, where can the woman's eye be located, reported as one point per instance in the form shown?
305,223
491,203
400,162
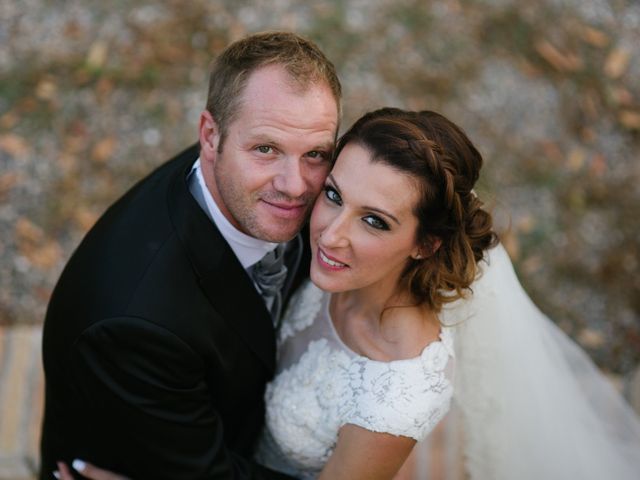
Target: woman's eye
332,194
376,222
264,149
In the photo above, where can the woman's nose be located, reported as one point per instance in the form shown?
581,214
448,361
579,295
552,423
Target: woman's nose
336,232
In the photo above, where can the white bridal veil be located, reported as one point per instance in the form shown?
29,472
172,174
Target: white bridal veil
532,403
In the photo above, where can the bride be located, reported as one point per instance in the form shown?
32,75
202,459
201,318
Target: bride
412,302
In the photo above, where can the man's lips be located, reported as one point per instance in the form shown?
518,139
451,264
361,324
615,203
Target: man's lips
286,209
329,262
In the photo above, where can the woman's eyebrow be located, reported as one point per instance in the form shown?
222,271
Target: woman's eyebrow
364,207
384,212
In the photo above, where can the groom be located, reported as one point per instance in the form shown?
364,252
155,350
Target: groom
159,337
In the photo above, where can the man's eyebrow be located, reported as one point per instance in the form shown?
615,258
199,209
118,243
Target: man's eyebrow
364,207
268,139
263,138
328,146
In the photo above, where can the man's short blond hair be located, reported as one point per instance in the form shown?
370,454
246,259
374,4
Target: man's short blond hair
301,58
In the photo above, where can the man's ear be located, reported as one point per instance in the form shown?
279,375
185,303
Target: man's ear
209,135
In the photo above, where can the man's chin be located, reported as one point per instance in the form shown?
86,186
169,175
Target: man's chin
278,235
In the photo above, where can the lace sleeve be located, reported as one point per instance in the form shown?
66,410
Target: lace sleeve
404,397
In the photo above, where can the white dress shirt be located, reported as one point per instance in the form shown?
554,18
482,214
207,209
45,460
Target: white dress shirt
248,250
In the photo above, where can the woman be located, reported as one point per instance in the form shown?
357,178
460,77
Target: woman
366,351
397,233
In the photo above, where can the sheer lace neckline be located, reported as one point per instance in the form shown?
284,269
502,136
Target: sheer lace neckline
444,338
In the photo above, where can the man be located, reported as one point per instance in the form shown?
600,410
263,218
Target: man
157,343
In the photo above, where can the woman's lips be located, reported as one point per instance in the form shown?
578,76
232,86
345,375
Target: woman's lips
330,263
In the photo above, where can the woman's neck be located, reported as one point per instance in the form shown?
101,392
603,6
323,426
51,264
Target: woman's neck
381,323
369,302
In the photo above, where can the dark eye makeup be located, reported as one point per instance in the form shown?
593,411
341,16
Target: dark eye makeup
376,222
332,195
373,221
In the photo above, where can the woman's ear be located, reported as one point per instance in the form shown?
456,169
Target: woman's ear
435,245
426,250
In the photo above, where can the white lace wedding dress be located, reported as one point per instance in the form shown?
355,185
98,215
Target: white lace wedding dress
321,385
533,405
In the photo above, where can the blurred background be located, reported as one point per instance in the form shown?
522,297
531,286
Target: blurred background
94,94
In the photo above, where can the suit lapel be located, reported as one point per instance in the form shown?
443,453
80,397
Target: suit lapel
300,273
223,280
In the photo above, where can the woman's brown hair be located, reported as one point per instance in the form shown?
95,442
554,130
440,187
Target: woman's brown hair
453,229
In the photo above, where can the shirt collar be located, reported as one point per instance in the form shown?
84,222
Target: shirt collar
249,250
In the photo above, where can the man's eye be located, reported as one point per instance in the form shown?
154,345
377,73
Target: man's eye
376,222
264,149
317,154
332,195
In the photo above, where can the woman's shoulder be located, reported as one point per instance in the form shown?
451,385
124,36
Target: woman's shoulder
406,333
402,397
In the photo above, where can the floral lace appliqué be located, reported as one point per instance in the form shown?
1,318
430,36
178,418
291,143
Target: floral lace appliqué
303,308
308,402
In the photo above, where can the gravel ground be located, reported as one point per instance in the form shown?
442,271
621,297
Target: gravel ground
93,94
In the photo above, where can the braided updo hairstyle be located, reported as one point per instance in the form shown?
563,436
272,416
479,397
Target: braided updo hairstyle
445,165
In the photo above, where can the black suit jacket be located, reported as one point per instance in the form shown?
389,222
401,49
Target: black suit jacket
157,347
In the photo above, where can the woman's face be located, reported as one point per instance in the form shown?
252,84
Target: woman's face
362,227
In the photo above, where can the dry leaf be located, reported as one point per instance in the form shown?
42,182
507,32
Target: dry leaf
46,89
630,119
7,182
617,62
14,145
598,165
84,218
622,96
564,62
526,224
590,338
76,141
103,88
532,264
103,150
73,29
43,294
170,53
28,105
27,231
67,162
588,134
589,104
41,252
552,151
576,159
46,256
593,36
97,54
8,120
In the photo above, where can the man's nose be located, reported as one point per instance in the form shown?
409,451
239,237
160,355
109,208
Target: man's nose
290,178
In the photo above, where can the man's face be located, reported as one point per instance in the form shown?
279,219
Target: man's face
275,157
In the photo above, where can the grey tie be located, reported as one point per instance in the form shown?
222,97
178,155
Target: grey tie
269,275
